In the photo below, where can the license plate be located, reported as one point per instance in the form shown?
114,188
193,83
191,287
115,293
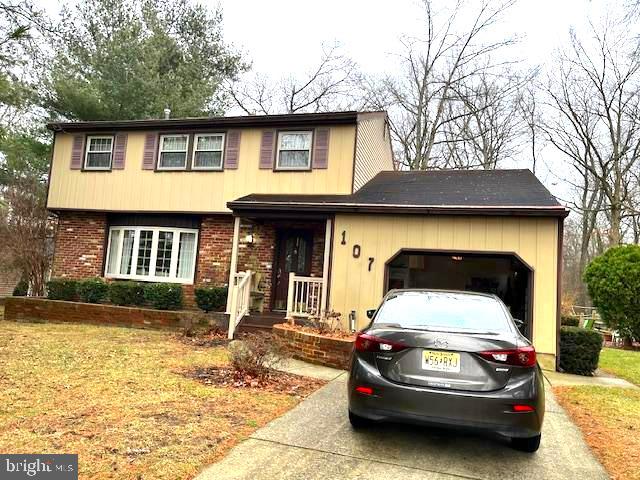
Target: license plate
441,361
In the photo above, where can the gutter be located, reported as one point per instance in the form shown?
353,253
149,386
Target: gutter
539,211
288,120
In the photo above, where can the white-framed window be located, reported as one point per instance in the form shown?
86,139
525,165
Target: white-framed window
172,154
294,151
99,153
156,254
207,151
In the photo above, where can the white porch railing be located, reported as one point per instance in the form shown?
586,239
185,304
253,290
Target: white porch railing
240,298
305,295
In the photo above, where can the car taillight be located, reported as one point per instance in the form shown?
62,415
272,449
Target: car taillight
370,343
519,408
519,357
364,390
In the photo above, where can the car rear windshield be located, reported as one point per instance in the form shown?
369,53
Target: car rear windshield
443,311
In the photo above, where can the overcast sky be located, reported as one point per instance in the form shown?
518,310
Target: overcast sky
286,35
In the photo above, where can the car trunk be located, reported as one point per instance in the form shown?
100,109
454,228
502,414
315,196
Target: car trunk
444,360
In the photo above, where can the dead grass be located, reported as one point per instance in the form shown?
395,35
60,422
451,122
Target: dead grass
116,397
610,422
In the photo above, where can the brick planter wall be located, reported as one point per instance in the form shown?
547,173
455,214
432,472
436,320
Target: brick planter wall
312,348
26,309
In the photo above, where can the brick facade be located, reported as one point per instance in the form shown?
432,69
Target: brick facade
81,241
258,257
214,250
80,244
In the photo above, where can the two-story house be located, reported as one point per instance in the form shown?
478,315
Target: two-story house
306,210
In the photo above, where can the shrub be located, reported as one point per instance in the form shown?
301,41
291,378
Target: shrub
92,290
569,321
126,293
326,324
257,353
164,296
613,280
211,299
21,289
62,289
579,350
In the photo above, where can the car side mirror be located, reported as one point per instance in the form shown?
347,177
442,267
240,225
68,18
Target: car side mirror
519,323
370,313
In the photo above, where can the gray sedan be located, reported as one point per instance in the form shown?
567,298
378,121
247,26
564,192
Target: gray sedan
447,358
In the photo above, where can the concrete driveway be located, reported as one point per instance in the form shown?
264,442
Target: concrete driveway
315,441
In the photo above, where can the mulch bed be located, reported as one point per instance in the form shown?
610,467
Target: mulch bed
341,334
273,381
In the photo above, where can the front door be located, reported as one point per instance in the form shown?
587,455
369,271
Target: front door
293,254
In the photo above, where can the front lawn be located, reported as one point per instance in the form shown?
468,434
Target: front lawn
610,422
621,363
120,399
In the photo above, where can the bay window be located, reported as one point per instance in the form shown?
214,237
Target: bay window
172,154
294,151
158,254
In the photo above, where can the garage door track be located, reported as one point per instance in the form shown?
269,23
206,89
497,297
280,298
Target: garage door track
315,441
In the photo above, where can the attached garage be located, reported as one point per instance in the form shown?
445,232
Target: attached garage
503,275
496,231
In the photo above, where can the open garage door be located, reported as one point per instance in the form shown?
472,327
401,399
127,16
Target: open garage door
504,275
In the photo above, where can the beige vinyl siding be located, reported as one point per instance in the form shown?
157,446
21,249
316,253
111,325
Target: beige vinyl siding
373,152
354,287
135,189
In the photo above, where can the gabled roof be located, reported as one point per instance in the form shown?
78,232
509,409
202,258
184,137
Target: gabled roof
468,192
287,120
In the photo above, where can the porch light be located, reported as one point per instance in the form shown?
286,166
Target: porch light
249,238
457,258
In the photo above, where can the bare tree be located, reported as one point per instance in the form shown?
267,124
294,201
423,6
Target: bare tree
596,125
432,70
485,124
532,118
328,86
26,230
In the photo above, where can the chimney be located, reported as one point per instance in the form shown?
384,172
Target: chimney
167,113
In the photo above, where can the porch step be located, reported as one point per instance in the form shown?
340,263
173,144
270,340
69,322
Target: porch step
260,322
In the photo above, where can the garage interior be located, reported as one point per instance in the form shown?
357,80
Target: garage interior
501,274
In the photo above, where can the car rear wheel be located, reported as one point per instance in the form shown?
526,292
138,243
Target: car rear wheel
357,421
529,445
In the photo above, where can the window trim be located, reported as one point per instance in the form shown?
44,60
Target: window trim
172,278
87,142
195,149
277,166
161,151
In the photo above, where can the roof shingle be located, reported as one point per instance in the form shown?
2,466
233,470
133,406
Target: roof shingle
479,191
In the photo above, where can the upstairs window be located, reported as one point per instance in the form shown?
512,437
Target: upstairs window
207,151
172,153
294,151
157,254
99,153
